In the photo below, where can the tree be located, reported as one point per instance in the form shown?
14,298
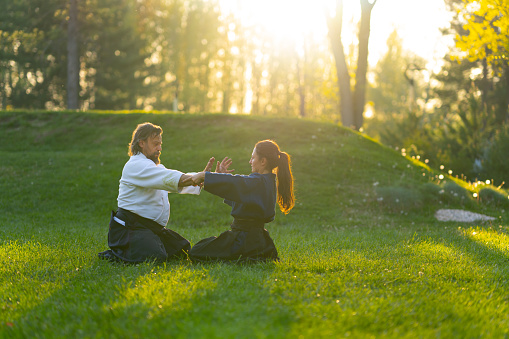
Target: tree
390,91
487,27
335,26
395,92
73,65
362,62
32,53
162,24
466,132
231,61
351,103
485,38
114,53
198,47
461,132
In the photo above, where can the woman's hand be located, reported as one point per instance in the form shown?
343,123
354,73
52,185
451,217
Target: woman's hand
199,178
223,167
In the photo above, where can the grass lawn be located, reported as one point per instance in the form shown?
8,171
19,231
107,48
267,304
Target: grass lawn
361,253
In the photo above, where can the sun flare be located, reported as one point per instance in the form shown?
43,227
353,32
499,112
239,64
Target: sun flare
418,22
282,19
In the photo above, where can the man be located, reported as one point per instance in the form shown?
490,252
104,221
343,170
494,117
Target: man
137,230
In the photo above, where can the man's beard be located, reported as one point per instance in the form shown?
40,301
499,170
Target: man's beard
155,158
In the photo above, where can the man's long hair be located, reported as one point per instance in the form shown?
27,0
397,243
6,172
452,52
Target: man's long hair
142,132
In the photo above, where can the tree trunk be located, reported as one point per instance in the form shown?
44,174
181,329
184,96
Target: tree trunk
345,92
362,63
302,95
73,66
505,73
484,94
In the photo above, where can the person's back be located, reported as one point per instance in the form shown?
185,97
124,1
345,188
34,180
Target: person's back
250,196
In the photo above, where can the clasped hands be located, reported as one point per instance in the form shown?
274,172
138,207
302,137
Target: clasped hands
199,178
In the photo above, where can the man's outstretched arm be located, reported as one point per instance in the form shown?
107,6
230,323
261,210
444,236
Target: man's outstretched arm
185,179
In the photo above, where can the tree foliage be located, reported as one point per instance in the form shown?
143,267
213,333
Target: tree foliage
396,90
487,27
465,130
32,53
157,54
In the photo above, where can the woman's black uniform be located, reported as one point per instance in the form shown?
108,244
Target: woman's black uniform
253,201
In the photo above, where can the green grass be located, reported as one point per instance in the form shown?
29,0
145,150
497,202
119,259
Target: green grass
352,264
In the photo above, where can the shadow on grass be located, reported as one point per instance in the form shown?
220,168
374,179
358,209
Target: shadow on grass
175,298
98,300
485,245
240,305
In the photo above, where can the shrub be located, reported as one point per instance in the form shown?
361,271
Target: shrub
449,193
396,198
493,197
496,165
431,192
455,194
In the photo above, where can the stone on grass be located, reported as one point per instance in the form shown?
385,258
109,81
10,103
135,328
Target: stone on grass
460,215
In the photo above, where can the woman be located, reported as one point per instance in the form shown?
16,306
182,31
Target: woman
253,199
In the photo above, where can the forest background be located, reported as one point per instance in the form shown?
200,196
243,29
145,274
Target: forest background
192,56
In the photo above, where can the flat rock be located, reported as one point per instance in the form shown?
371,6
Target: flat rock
460,215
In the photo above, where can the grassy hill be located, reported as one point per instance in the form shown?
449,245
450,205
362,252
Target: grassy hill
361,253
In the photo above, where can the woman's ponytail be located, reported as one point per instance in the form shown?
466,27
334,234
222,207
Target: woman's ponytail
285,196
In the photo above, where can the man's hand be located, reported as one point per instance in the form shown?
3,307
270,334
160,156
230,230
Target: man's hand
195,179
185,180
223,167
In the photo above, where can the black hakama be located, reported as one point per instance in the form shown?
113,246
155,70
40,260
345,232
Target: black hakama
135,239
244,242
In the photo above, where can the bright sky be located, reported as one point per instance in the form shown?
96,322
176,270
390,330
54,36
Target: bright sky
417,21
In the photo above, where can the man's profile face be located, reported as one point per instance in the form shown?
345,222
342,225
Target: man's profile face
152,147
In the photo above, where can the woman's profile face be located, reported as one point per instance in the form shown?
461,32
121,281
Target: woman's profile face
256,163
